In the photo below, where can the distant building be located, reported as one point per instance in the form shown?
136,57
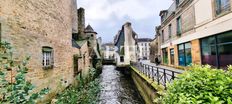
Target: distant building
108,51
144,48
198,32
126,45
155,46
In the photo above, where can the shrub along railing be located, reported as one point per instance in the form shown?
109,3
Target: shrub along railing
161,75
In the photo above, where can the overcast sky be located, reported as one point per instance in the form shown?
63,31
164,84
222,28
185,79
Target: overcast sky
108,16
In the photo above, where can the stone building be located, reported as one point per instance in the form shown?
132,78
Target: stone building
45,31
155,51
197,31
144,48
108,51
126,45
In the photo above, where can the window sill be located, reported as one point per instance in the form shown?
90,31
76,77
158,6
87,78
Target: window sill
222,14
48,67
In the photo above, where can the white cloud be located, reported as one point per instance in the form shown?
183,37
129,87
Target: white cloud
136,9
100,13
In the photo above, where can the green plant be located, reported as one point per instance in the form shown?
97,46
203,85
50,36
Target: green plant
200,85
20,90
83,93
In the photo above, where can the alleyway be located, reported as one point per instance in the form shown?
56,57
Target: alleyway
117,88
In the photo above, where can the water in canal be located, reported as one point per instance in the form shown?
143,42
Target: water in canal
118,88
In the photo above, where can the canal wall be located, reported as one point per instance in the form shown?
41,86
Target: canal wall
148,89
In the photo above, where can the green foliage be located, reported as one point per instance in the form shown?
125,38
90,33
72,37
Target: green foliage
20,90
82,93
201,85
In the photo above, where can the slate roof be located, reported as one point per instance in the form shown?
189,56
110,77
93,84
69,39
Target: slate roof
89,29
144,40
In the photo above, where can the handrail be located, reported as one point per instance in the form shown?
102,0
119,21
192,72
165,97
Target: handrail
161,75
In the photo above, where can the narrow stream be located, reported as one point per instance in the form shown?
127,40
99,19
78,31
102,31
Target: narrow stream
117,88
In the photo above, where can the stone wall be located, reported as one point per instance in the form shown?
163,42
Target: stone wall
154,50
188,19
31,24
196,51
129,44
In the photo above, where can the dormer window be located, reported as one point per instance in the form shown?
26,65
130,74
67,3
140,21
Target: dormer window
162,18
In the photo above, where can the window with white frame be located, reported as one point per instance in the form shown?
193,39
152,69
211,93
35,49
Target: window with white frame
47,57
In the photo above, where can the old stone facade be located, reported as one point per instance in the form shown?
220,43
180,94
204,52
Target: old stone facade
126,44
191,31
42,29
155,51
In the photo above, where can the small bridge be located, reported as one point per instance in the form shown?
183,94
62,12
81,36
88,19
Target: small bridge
109,62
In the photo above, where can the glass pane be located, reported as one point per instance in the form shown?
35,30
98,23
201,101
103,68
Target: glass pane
222,6
181,47
209,51
181,55
225,55
172,56
225,38
165,56
188,57
188,45
178,25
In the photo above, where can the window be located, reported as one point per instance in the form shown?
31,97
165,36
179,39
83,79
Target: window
162,36
172,56
208,51
178,21
216,50
162,18
222,6
47,57
170,30
165,56
121,59
92,35
177,3
185,55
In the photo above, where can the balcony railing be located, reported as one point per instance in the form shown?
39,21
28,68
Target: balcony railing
160,75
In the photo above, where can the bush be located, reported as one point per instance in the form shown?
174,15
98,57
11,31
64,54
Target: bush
83,93
20,90
201,84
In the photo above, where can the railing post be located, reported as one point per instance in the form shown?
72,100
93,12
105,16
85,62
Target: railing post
158,75
173,75
152,73
165,78
143,68
148,71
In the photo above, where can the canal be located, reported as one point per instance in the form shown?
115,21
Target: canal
118,88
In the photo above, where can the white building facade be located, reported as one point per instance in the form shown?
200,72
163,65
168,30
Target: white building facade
144,48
